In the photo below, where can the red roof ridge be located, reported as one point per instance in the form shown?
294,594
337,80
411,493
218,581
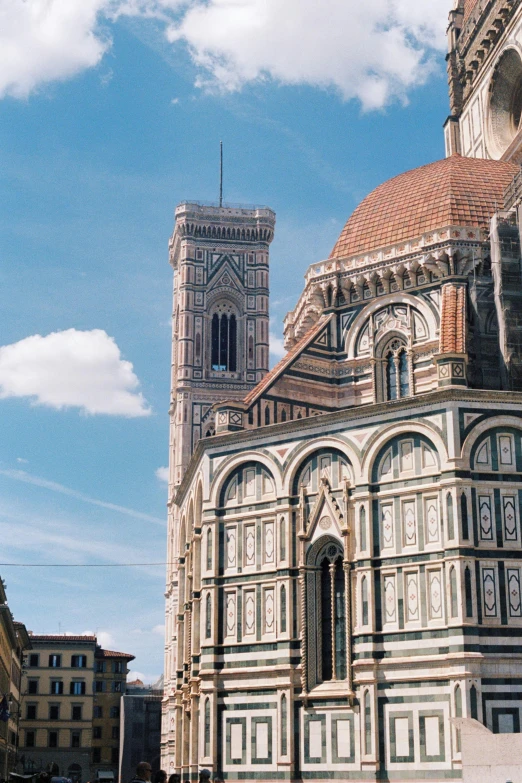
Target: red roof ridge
102,653
286,360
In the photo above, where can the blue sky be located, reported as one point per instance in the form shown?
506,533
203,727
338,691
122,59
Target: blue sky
105,126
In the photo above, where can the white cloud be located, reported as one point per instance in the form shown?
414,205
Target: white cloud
45,40
162,474
105,639
277,348
159,629
375,51
72,369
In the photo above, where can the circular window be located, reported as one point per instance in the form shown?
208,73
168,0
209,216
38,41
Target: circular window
505,101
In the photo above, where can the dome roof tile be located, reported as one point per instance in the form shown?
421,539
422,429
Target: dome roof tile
455,191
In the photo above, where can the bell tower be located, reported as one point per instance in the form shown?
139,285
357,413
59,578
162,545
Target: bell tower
220,257
485,80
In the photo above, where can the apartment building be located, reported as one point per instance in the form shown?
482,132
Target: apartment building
71,706
13,641
110,671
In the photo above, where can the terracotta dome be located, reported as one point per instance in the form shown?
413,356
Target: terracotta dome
456,191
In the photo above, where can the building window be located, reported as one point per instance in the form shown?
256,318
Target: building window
77,687
473,702
76,712
76,739
97,732
207,728
284,728
97,711
453,592
282,538
54,712
362,529
367,724
56,687
464,515
55,661
283,609
115,755
468,592
115,732
53,739
100,667
114,712
32,686
208,616
117,687
209,550
458,712
29,739
117,667
395,370
326,592
449,511
224,342
79,661
31,711
33,660
364,601
99,686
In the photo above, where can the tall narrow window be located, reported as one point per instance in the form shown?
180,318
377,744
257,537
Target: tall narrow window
453,592
362,529
208,617
282,538
250,349
391,377
232,344
340,622
458,713
404,374
326,617
364,600
283,609
209,550
267,415
464,515
207,727
449,510
215,341
473,702
198,347
367,724
284,727
283,414
468,592
223,342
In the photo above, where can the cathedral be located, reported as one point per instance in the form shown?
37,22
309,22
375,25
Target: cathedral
345,540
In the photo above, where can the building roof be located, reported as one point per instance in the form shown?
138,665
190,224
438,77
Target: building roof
287,359
455,191
101,653
36,637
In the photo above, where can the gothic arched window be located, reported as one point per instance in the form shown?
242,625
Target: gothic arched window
326,599
224,342
395,369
